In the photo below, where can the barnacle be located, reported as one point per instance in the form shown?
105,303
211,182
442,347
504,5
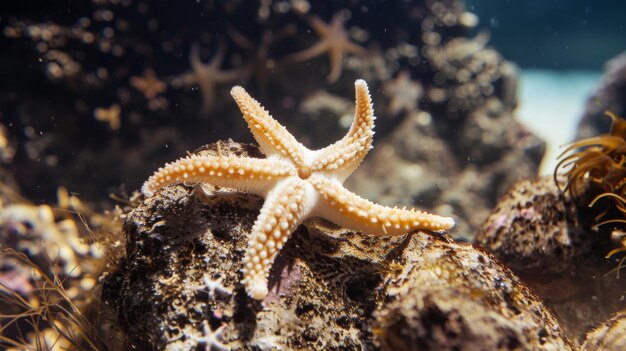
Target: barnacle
595,171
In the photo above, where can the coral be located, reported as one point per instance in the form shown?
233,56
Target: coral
34,231
49,272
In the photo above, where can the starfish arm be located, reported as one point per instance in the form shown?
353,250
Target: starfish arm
347,209
207,88
284,209
344,156
273,138
254,175
216,61
321,27
194,58
335,56
317,49
227,76
184,79
354,48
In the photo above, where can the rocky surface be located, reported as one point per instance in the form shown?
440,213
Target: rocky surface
609,336
548,241
535,227
179,284
609,95
451,296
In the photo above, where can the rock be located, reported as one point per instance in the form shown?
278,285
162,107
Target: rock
609,336
609,95
536,227
179,284
545,238
450,296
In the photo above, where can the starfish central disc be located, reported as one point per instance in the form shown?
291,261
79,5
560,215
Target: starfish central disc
304,172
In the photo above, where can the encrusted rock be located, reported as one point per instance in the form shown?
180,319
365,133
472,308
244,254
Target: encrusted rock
449,296
543,236
535,227
179,285
609,336
610,95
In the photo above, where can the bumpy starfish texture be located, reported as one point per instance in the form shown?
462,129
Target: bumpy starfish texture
296,183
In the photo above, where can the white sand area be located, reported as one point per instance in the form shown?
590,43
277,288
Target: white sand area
551,105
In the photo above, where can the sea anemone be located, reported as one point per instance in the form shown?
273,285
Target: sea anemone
595,169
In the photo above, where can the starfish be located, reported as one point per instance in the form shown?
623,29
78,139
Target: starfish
109,115
211,338
403,92
296,183
334,40
149,84
206,75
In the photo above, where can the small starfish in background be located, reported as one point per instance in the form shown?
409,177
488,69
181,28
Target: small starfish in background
260,64
149,84
206,75
334,40
297,183
211,286
210,338
109,115
403,92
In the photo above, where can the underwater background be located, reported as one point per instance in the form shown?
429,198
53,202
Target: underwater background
474,101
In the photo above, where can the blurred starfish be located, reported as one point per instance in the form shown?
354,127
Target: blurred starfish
206,75
149,84
403,92
109,115
334,40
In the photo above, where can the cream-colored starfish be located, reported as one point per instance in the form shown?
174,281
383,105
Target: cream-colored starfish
334,40
296,183
403,92
206,75
149,84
